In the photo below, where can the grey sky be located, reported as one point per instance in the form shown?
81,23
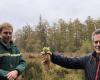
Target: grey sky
22,12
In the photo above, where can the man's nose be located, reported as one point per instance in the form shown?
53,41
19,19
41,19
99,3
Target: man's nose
8,34
98,43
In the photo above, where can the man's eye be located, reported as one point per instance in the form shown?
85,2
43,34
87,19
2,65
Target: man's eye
7,33
96,42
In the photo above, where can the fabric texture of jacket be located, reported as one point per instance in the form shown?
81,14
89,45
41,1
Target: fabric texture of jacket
87,63
10,59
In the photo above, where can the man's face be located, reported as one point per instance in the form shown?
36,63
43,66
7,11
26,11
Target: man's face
96,43
6,35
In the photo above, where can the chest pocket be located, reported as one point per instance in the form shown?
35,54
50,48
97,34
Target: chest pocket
9,61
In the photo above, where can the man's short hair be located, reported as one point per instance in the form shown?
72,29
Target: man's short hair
5,25
97,31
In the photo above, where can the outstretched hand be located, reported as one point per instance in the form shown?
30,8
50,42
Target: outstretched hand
46,57
46,53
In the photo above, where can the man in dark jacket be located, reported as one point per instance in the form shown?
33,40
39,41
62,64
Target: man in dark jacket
11,62
90,63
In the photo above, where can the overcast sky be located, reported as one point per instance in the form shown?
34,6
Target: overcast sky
22,12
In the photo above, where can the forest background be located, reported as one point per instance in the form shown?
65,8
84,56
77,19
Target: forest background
68,38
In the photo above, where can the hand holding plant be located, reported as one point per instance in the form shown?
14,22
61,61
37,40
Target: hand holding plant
46,57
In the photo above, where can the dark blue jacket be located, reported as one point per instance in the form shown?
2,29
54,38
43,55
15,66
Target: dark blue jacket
87,63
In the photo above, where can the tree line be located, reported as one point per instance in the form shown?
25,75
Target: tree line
62,36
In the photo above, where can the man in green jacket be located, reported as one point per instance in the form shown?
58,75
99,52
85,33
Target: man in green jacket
11,62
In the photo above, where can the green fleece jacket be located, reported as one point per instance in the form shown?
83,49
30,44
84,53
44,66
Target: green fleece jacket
10,59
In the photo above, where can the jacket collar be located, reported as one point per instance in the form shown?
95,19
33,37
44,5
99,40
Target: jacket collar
94,55
5,45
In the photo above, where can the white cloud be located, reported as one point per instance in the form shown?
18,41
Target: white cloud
21,12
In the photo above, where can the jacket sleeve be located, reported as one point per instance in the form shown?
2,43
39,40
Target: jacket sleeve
3,73
22,64
21,67
71,63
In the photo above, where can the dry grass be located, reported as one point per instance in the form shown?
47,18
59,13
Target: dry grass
36,70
